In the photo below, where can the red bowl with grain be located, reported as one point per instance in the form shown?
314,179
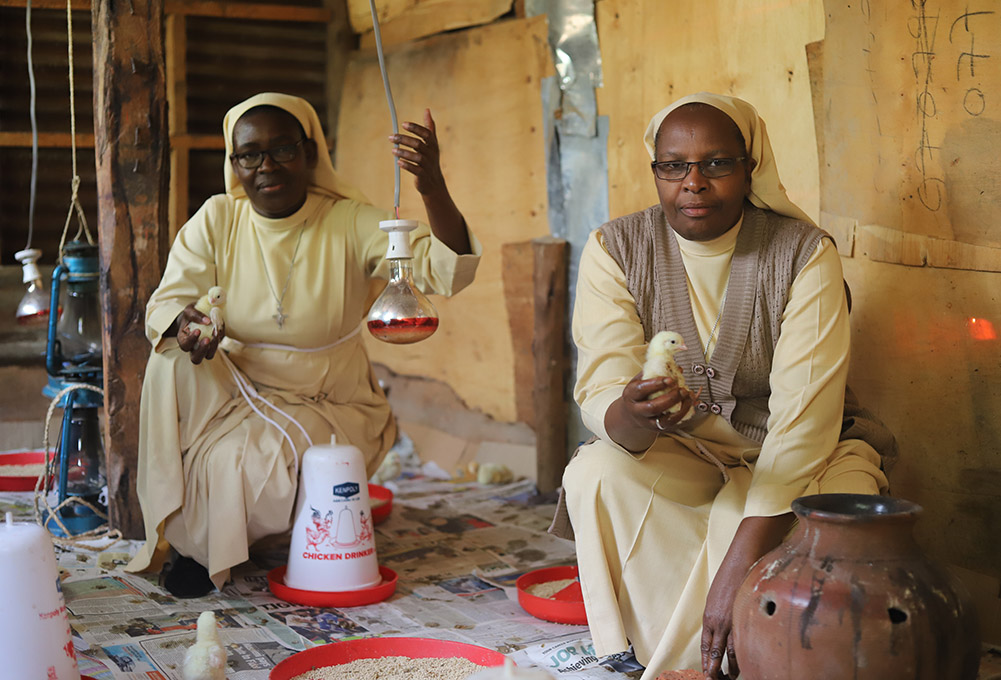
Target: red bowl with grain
19,470
564,606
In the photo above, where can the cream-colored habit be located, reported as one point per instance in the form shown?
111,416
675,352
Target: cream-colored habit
215,476
652,528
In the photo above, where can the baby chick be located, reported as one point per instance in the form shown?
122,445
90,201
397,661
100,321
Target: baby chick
211,305
660,361
206,659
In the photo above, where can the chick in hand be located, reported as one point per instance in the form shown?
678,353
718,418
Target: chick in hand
660,361
206,659
211,305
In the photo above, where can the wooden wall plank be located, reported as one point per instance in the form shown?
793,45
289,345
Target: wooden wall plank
764,62
402,20
132,182
911,96
483,88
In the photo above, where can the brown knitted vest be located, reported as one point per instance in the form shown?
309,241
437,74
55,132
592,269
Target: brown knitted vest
770,252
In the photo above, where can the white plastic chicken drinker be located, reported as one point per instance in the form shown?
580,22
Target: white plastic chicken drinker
35,636
332,547
402,314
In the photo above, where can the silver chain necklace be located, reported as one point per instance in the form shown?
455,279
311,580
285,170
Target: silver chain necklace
280,314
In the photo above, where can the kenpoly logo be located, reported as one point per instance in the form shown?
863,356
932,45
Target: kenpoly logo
346,490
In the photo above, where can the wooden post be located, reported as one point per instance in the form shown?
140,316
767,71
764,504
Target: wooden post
341,42
177,110
549,348
131,147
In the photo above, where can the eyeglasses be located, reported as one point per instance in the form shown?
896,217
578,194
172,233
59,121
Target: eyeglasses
249,160
711,168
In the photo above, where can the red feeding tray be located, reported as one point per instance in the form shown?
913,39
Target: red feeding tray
343,598
381,511
339,653
22,482
566,606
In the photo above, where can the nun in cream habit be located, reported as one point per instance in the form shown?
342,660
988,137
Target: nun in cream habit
656,505
220,441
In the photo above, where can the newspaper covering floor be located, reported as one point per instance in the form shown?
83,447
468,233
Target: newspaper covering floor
457,548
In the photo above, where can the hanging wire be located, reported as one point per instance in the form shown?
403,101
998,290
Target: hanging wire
389,98
75,183
34,130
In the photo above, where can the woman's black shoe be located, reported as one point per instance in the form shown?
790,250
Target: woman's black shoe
187,579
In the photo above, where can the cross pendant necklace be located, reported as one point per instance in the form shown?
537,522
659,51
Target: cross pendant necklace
279,316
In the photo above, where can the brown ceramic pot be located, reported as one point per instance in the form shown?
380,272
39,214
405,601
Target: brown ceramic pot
851,596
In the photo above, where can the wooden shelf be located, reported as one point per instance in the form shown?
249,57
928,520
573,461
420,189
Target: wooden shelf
206,8
61,140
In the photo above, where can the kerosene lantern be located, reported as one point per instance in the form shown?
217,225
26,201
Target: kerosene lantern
73,359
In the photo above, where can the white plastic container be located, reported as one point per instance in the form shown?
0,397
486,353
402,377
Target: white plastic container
35,637
511,672
332,547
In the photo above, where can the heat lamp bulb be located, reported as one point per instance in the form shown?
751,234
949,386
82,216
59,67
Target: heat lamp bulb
33,309
402,314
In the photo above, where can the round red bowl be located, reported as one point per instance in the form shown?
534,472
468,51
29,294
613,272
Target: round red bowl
548,609
379,493
339,653
342,598
23,483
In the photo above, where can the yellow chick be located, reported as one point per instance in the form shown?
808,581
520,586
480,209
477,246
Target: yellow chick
660,361
206,659
211,305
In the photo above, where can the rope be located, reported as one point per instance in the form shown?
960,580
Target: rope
42,485
389,99
34,130
75,183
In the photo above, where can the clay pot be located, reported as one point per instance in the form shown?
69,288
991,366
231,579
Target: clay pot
850,595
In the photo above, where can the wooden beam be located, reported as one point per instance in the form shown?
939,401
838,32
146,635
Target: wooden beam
341,42
549,347
204,8
130,122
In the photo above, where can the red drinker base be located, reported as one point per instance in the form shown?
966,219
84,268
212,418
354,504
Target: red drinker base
403,331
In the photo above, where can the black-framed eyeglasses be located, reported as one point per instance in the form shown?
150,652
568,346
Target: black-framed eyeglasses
712,168
249,160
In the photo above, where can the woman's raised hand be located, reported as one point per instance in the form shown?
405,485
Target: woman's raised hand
419,155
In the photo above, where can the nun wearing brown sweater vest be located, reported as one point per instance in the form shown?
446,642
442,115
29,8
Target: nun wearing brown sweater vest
670,510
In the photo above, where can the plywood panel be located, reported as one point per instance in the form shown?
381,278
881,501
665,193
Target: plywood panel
482,85
913,95
652,54
401,20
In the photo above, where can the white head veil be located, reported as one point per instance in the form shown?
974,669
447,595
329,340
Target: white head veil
324,178
767,191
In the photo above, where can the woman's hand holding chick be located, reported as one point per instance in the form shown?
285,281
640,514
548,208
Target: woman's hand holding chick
634,420
190,339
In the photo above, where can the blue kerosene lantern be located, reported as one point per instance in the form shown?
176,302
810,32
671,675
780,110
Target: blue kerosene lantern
73,357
